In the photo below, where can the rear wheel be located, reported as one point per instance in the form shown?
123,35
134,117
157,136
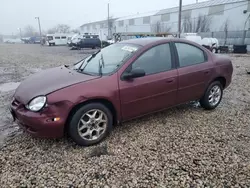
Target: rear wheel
213,96
90,124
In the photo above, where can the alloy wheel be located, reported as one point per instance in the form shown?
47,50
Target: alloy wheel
214,95
92,124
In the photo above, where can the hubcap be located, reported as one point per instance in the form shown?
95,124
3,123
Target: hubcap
214,95
92,124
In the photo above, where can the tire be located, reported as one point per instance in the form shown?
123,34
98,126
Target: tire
49,44
210,105
89,129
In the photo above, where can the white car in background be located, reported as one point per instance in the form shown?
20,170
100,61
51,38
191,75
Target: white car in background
213,43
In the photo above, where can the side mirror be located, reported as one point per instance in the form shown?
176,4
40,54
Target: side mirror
136,73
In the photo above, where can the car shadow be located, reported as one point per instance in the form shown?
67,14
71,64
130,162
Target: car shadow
67,143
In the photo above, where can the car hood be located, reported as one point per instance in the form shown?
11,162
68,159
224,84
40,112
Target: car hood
48,81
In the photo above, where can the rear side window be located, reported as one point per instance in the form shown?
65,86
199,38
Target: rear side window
63,37
189,54
57,37
87,40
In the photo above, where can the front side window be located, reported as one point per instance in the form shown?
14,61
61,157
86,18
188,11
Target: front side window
110,59
155,60
189,54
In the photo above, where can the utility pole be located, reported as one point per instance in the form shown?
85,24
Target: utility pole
179,22
38,19
108,23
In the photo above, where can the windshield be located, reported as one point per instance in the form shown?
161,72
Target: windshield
50,37
110,58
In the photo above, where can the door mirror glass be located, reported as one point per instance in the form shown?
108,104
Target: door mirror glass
134,73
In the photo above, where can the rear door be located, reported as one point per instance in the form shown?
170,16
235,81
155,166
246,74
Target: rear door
154,91
194,70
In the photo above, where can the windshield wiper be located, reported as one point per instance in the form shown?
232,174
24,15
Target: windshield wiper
92,56
101,65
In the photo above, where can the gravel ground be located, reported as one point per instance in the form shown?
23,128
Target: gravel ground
182,147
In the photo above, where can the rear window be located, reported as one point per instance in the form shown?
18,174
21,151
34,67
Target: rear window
57,37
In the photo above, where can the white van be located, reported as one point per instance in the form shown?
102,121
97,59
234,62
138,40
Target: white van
194,37
57,39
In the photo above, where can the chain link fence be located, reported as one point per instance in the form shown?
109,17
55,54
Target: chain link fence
229,37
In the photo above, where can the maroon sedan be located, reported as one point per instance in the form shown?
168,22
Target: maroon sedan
120,82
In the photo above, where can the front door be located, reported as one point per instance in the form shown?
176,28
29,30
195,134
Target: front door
194,71
154,91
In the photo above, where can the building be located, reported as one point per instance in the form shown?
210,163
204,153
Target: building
99,27
208,16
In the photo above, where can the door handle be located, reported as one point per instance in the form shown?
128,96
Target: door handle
170,81
206,72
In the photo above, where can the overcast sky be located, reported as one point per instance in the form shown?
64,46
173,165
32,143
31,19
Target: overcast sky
20,13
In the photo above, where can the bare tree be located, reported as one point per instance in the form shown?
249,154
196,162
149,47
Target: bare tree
51,30
29,31
60,28
75,31
160,27
205,23
200,24
187,25
157,27
226,31
63,28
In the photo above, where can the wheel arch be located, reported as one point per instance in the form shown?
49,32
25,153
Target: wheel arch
105,102
222,80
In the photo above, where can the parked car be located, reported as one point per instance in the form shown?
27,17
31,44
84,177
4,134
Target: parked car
105,43
123,81
75,38
89,43
34,40
211,43
9,42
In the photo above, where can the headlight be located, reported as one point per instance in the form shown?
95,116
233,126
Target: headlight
37,103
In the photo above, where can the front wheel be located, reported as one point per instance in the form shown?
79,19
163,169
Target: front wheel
212,96
90,124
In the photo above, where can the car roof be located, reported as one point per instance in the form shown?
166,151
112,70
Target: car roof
146,41
154,40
